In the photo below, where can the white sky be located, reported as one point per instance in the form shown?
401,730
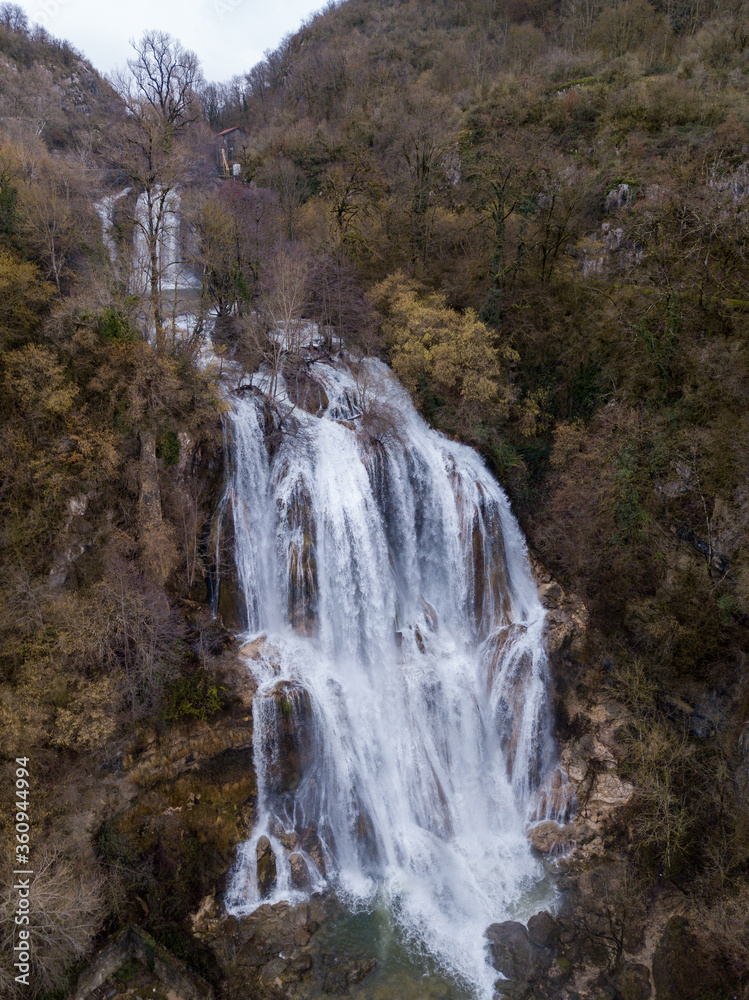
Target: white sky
229,36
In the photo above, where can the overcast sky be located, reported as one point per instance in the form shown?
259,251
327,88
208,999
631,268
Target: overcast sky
229,36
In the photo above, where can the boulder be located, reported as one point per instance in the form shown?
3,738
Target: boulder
514,954
632,982
683,969
543,930
299,872
270,952
266,866
550,594
549,837
208,921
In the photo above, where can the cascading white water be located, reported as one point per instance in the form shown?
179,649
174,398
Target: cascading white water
162,224
105,210
395,630
159,220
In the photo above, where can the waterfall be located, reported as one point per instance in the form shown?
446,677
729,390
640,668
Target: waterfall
105,210
394,630
165,221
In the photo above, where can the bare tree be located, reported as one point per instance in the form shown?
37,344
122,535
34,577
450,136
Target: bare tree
338,305
14,18
276,331
232,230
163,77
66,909
160,103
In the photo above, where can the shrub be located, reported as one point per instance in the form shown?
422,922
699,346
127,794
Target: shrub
195,695
114,327
66,910
168,447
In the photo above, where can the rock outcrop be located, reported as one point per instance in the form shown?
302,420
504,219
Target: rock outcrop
516,954
632,982
683,969
299,872
282,950
266,867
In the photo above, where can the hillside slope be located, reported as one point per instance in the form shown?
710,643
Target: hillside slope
538,214
578,176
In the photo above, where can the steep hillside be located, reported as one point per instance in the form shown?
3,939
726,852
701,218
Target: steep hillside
47,87
538,214
577,176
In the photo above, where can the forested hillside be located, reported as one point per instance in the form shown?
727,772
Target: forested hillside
106,633
548,206
538,214
577,178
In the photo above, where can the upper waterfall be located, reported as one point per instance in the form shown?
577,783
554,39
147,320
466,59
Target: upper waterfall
401,715
157,225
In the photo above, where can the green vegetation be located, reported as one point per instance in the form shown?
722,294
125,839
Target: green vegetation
538,213
194,696
547,204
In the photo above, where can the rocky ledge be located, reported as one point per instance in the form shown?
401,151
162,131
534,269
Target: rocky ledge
280,950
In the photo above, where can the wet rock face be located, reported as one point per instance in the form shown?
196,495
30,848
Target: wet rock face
186,800
555,799
514,689
227,596
266,867
280,951
566,625
311,843
590,758
486,571
513,952
301,530
552,838
294,736
299,872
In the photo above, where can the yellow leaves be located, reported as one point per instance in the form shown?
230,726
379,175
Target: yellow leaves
454,352
49,225
24,721
94,447
23,298
40,389
568,441
87,722
37,385
532,418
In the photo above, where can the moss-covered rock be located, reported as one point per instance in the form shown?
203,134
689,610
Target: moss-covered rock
266,867
683,968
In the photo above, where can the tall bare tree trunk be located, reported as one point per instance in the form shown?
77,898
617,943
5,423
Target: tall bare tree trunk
157,549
